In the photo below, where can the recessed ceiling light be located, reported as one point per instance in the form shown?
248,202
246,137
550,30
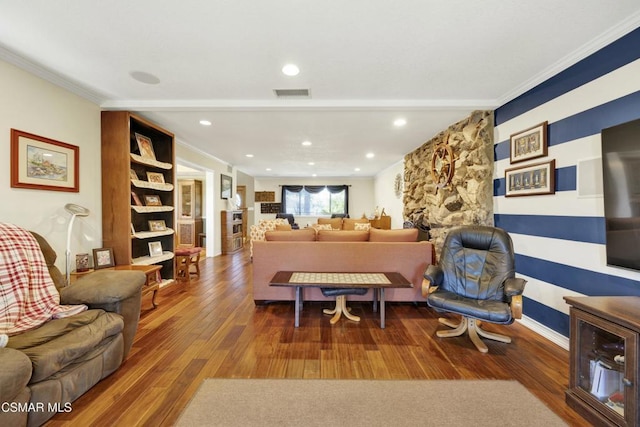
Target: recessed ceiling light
146,78
268,169
370,155
306,143
357,169
399,122
205,122
314,174
249,155
311,163
291,70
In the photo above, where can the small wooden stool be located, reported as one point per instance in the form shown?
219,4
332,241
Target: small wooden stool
185,258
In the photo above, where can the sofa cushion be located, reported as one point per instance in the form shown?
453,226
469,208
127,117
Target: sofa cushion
350,223
62,342
343,236
304,235
336,223
283,227
396,235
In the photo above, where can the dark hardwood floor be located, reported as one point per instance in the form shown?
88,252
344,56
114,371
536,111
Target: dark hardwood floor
213,329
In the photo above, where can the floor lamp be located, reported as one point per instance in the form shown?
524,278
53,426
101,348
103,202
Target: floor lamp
74,210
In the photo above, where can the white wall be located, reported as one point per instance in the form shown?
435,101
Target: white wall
33,105
385,195
361,194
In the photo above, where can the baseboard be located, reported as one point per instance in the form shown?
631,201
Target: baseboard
545,332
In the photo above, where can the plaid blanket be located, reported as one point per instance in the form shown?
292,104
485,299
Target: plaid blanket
28,296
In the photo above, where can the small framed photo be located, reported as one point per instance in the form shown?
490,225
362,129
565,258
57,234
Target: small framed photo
136,199
530,180
145,146
155,177
155,249
103,258
225,186
152,200
157,225
133,175
529,143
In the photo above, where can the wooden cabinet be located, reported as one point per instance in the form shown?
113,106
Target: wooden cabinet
382,222
603,377
138,159
189,212
233,224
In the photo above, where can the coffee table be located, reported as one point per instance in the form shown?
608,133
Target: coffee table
305,279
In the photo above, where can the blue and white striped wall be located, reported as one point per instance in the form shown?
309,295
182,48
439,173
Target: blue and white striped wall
560,239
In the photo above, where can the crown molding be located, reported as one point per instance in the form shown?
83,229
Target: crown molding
50,76
629,24
299,105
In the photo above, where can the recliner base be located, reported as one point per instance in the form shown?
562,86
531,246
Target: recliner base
472,326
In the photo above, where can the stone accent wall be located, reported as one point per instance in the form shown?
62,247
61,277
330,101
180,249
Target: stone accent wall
468,199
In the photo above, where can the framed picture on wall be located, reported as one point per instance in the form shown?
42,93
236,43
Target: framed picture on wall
41,163
225,186
529,144
530,180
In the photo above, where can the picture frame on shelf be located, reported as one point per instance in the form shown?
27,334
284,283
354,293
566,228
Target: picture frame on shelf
530,180
529,144
225,186
145,146
136,199
157,225
155,177
103,258
152,200
40,163
155,249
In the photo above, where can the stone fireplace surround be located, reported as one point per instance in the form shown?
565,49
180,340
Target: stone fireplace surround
468,198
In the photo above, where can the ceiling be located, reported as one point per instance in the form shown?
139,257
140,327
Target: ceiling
365,63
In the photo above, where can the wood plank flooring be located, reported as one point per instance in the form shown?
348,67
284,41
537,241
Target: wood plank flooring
213,329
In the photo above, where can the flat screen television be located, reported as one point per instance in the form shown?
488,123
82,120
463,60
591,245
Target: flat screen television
621,189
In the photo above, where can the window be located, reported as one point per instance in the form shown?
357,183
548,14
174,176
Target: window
315,200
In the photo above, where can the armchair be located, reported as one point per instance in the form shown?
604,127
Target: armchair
289,217
475,279
45,368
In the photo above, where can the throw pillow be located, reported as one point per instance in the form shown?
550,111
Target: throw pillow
350,223
283,227
336,223
362,226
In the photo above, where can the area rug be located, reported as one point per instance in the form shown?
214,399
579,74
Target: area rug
326,402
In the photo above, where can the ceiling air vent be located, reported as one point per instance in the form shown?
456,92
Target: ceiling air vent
292,93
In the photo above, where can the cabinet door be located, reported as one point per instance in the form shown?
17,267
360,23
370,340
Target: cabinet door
604,366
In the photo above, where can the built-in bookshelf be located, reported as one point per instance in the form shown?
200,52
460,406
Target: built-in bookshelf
138,176
232,223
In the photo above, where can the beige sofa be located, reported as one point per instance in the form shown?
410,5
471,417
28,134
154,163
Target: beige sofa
333,251
43,370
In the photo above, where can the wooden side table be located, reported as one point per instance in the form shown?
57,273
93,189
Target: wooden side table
151,285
